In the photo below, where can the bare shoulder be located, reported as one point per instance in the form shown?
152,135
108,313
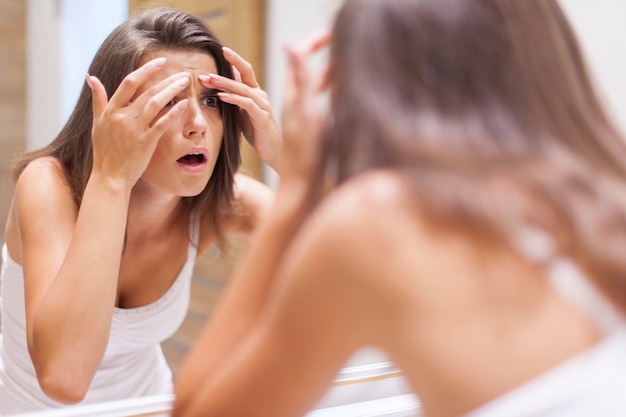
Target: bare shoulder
360,225
373,234
253,200
362,204
42,201
43,186
249,190
378,224
42,174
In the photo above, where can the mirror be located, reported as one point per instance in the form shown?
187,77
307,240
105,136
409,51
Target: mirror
241,24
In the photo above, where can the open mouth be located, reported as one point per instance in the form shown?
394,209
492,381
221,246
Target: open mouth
193,158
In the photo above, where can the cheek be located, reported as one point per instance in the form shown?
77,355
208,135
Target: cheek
217,124
162,152
217,132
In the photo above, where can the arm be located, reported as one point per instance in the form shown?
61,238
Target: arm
71,256
245,298
300,339
240,305
70,276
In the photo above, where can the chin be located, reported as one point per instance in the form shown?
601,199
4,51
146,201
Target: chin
191,193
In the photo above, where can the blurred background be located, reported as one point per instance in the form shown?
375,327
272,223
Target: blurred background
46,47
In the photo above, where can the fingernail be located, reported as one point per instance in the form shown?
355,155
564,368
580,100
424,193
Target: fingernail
209,78
159,62
182,105
181,82
89,82
228,51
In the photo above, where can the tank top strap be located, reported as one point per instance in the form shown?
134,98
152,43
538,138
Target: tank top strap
569,280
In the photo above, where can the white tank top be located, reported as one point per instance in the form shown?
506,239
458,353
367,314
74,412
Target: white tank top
133,363
591,383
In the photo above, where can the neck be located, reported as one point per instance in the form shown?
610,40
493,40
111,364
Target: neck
155,216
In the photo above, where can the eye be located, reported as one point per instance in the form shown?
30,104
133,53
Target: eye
171,103
211,101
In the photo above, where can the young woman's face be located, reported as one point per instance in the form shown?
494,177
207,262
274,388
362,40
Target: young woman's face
185,156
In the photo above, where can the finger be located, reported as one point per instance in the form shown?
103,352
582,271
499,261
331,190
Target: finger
244,67
324,78
296,66
143,98
128,87
99,98
316,41
159,127
290,82
292,95
159,100
242,102
228,85
301,53
236,75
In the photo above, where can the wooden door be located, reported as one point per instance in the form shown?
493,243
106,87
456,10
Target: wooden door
239,24
12,98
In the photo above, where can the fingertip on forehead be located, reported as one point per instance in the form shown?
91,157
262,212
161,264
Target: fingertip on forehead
149,56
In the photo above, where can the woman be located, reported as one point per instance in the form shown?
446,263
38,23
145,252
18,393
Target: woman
108,220
476,234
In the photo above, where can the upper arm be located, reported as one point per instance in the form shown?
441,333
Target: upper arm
46,216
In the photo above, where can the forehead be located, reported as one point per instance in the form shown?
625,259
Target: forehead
195,62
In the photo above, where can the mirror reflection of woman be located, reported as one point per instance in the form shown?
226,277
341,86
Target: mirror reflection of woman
108,220
477,233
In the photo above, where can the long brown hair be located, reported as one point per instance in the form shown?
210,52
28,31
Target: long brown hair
488,107
120,54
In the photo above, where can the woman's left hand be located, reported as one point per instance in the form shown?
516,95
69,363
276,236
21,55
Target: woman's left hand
256,117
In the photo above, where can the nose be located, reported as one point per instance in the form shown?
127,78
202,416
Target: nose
195,121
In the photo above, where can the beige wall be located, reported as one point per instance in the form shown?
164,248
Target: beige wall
12,95
601,30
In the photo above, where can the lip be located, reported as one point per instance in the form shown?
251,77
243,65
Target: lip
194,166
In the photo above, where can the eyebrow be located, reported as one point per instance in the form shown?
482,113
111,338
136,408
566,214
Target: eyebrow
210,91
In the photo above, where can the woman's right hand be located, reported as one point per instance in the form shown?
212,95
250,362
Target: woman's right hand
127,128
304,111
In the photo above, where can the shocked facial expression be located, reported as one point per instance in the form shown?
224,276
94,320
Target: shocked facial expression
185,156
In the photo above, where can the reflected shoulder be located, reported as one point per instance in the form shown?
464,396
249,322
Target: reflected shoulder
42,182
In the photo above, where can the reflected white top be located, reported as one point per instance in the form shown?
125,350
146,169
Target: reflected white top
133,363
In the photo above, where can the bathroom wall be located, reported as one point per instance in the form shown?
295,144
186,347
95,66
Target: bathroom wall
63,36
602,33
